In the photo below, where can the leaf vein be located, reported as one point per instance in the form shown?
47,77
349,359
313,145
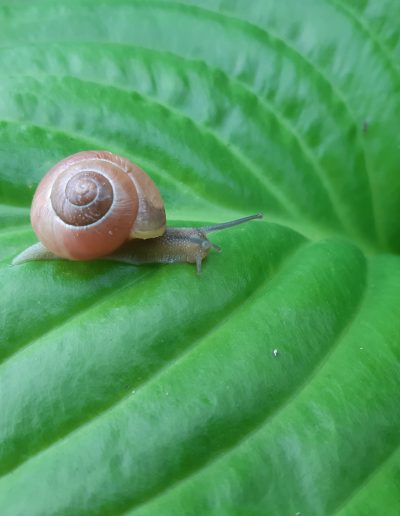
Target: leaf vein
366,480
290,399
154,377
97,143
334,198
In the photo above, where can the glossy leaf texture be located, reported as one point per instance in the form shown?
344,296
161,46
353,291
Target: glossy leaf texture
270,383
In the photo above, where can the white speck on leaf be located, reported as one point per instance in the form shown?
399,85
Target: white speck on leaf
275,352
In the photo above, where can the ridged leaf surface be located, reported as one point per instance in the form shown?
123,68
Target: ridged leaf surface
270,383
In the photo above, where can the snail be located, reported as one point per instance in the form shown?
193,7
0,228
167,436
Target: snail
95,204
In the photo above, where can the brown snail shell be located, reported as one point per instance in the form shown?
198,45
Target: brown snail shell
92,202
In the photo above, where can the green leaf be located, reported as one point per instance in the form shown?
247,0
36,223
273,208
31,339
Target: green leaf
270,383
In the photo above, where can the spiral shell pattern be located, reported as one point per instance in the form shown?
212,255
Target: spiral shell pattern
88,197
90,203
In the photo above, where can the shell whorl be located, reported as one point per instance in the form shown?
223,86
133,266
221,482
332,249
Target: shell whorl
90,203
88,196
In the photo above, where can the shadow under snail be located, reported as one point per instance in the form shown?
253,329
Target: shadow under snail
95,204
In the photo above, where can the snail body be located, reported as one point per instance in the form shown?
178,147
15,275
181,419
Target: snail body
95,204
